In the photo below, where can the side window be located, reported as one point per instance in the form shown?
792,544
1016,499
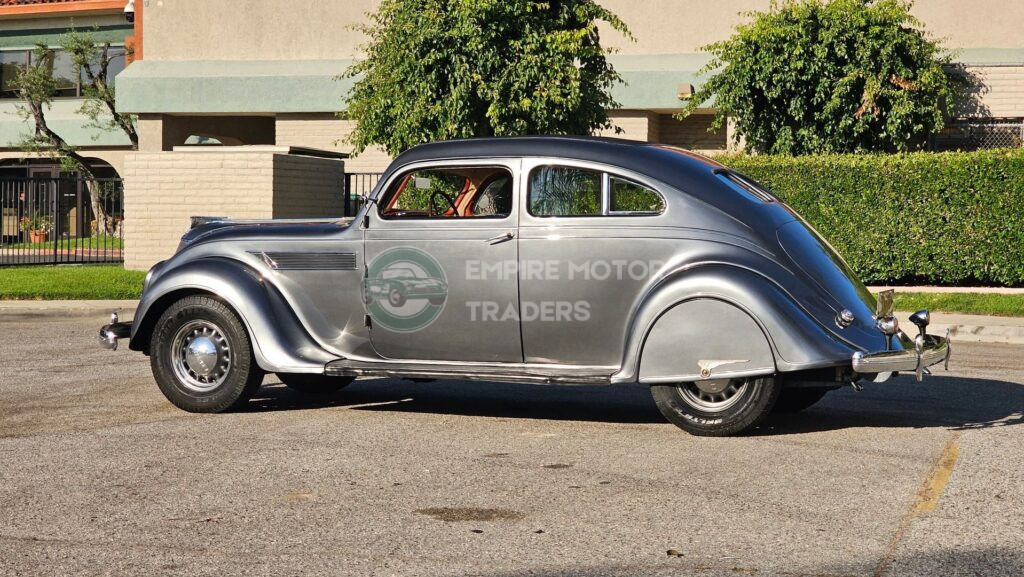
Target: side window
628,197
562,191
459,192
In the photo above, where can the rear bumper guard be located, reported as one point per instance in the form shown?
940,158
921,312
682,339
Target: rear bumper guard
928,350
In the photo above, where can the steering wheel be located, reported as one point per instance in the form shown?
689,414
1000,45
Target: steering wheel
433,205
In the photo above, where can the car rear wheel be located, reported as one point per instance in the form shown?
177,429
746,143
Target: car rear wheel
202,358
797,399
314,384
717,407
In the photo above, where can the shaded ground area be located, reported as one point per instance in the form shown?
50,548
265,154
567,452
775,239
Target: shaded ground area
100,475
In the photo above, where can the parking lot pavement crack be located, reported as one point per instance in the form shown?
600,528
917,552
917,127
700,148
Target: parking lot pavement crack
926,501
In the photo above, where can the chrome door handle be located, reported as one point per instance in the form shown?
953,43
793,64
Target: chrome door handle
501,238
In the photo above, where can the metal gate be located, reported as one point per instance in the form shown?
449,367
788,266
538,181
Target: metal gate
47,220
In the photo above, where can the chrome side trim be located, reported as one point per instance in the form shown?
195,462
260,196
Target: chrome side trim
294,260
504,372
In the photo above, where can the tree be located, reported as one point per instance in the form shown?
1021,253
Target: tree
814,76
37,86
442,69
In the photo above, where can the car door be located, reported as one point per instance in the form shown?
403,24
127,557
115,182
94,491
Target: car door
591,241
440,281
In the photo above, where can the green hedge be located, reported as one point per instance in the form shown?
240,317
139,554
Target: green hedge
953,218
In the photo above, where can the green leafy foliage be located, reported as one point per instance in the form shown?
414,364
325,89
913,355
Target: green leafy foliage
953,218
443,69
92,63
830,76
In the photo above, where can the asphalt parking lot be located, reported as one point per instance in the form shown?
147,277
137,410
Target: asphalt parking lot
99,475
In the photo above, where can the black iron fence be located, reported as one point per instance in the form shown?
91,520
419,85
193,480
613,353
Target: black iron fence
61,220
357,186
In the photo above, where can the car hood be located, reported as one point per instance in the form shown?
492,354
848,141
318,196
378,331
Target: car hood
227,229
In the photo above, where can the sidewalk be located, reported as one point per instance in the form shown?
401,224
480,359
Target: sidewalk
971,328
974,328
950,289
67,309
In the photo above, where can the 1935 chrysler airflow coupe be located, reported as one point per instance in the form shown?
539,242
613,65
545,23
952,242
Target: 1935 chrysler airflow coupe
537,259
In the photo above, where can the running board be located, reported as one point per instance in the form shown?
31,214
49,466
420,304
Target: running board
504,372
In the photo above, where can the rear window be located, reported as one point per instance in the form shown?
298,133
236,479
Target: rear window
744,185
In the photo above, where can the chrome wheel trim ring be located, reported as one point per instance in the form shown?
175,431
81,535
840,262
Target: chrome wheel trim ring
713,396
200,356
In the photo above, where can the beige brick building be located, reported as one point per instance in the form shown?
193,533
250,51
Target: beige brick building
271,73
265,73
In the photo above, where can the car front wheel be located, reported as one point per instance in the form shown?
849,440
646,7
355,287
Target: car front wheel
396,298
202,358
717,407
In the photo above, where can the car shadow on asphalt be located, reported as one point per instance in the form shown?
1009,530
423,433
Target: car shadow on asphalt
610,404
954,403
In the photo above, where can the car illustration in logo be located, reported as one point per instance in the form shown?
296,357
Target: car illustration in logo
400,284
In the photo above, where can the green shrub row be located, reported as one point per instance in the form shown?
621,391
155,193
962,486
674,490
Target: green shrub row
953,218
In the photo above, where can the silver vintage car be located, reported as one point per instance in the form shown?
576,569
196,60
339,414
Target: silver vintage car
536,259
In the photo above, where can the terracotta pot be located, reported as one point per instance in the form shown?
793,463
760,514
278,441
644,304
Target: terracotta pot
36,236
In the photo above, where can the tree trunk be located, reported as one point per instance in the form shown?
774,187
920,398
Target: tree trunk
105,224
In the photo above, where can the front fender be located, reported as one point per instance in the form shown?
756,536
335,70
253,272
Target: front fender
280,342
796,340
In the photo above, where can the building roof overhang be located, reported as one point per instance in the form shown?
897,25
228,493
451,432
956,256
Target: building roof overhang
43,8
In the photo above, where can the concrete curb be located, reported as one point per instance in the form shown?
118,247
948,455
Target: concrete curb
972,328
950,289
66,309
966,328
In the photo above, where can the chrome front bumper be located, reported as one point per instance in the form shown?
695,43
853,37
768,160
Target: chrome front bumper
111,333
927,350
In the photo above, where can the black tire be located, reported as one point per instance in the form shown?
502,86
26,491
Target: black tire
396,298
797,399
314,384
752,401
438,301
240,376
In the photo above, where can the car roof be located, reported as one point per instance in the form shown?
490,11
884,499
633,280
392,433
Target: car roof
614,151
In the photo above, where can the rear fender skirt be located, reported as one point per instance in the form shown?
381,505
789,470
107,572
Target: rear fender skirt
680,346
796,340
280,342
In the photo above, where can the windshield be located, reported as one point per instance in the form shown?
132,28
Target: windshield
398,273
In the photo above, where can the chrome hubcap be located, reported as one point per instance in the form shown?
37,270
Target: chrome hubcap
713,395
200,355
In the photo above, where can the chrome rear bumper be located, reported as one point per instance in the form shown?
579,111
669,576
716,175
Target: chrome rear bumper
927,350
111,333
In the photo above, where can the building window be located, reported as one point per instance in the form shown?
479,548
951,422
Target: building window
11,62
59,61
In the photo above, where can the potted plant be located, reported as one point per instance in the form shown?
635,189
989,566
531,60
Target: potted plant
37,225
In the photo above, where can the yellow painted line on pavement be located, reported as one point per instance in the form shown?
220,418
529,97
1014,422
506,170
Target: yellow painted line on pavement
930,493
926,501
